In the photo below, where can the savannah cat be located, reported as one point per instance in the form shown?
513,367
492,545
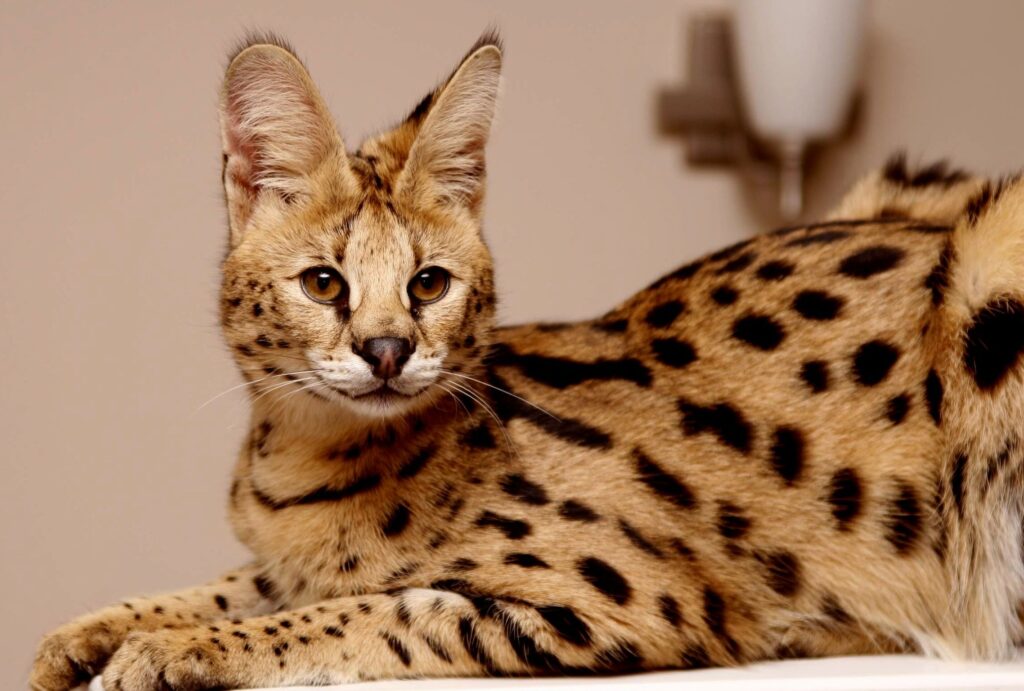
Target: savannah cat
805,444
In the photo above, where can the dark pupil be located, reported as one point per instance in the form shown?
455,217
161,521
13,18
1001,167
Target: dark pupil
427,280
323,281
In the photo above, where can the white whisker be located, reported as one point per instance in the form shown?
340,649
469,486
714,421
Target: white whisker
507,393
477,398
249,383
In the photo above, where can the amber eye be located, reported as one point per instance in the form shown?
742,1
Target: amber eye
324,285
429,285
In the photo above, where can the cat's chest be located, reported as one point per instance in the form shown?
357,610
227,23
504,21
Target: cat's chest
321,534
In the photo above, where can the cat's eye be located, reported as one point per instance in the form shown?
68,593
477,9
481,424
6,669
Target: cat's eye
429,285
324,285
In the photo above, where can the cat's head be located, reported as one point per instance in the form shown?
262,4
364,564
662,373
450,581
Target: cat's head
360,279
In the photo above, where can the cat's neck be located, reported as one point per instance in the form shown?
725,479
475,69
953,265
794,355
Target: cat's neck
335,430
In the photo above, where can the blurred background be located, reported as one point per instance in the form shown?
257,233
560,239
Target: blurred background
114,478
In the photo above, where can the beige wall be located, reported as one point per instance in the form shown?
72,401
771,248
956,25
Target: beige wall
111,227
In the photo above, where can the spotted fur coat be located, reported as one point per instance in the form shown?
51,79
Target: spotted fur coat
807,443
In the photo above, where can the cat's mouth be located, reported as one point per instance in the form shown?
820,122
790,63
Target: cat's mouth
383,394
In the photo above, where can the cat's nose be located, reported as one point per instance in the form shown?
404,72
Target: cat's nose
385,355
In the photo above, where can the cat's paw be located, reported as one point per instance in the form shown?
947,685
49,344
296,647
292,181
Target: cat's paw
73,654
167,661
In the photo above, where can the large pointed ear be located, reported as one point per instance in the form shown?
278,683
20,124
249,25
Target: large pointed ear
275,130
446,160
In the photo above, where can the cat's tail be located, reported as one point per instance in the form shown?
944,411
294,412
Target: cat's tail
976,395
935,194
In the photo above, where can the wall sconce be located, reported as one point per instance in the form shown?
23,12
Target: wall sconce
764,84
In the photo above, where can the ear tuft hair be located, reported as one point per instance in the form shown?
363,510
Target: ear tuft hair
446,161
275,128
262,38
490,37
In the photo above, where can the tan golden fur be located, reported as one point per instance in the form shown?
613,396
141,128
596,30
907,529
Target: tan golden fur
805,444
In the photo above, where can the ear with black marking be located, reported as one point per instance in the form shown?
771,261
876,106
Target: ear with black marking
446,160
275,131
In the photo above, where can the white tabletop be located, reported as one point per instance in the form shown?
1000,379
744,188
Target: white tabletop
888,673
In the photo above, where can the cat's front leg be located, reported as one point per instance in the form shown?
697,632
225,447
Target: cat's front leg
412,632
78,650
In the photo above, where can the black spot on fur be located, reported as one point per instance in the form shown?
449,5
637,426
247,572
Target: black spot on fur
614,326
662,483
695,656
904,519
397,648
321,494
673,352
732,523
831,608
264,341
871,260
759,331
956,481
639,541
724,295
415,464
669,609
845,496
937,280
681,274
261,438
561,373
989,195
994,342
938,173
479,437
514,529
873,361
816,237
524,490
526,648
397,521
787,453
527,561
473,645
897,408
683,549
265,587
714,619
817,305
729,251
783,572
222,602
575,511
439,650
463,564
775,270
737,264
566,624
605,579
720,419
933,394
815,374
568,429
664,314
349,564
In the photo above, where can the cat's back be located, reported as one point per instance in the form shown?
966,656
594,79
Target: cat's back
807,343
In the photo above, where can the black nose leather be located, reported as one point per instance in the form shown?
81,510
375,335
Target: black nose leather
385,355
